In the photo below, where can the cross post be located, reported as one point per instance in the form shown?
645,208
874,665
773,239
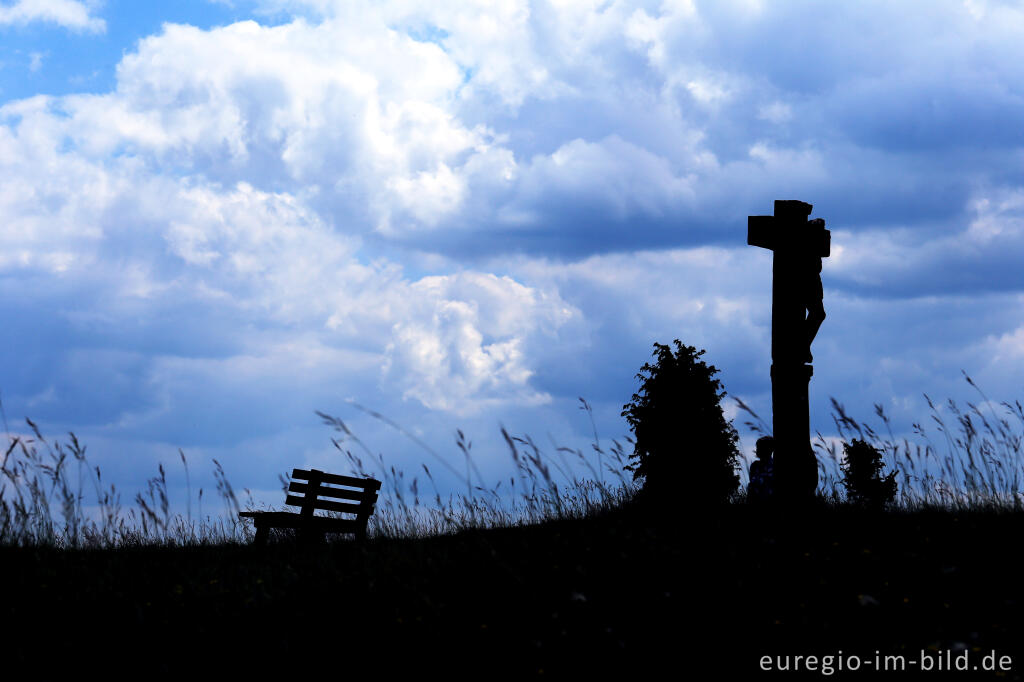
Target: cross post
797,245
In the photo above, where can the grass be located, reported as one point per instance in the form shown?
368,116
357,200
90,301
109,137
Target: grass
564,575
977,463
42,502
44,484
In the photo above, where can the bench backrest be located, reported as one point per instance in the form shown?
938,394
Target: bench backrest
320,485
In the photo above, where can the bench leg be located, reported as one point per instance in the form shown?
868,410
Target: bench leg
361,522
261,536
308,536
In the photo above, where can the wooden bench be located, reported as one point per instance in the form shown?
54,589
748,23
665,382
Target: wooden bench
309,498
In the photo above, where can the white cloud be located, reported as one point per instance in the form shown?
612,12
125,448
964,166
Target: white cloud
999,216
454,343
119,192
70,14
334,108
462,344
612,175
975,256
776,112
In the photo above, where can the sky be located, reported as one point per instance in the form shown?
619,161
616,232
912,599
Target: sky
218,217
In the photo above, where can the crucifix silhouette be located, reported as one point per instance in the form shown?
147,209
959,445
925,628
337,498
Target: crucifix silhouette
798,245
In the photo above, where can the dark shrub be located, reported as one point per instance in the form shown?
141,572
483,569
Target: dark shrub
862,475
685,449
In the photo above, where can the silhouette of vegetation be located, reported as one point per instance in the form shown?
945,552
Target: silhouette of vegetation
43,503
568,581
683,442
862,475
981,465
45,484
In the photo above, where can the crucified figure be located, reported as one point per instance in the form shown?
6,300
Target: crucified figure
812,290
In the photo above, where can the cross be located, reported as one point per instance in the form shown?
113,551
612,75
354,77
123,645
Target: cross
797,245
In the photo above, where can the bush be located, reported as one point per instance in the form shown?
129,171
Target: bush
683,443
862,475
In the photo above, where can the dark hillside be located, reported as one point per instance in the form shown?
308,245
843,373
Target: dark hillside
620,592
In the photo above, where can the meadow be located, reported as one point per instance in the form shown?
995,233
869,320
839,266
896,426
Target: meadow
568,574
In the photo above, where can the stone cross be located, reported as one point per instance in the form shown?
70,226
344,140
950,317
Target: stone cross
798,245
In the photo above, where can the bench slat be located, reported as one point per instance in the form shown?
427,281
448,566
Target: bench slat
322,491
337,479
327,505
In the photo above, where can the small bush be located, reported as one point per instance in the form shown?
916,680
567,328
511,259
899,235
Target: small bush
683,444
862,475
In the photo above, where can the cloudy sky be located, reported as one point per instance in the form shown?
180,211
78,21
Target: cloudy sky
217,217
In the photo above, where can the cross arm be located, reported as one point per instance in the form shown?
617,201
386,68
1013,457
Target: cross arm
765,231
761,231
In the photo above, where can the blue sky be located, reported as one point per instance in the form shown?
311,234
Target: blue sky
220,217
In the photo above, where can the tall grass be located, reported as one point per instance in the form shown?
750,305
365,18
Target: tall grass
968,457
43,493
975,463
43,502
564,483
